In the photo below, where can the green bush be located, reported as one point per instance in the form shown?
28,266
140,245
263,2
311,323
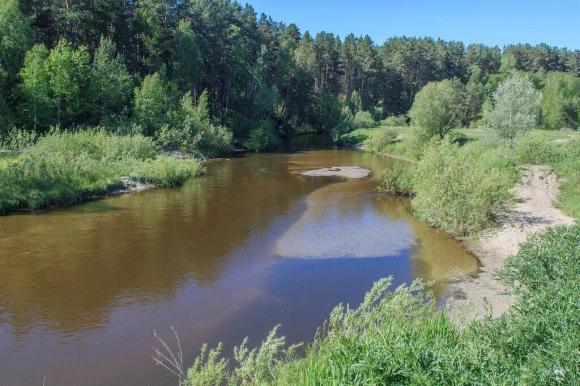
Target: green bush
463,190
530,150
567,169
561,101
398,179
377,142
394,120
65,168
399,337
355,137
457,137
193,130
170,138
263,137
166,171
18,139
363,120
439,107
213,140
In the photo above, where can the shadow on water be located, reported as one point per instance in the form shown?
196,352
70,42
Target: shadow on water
250,245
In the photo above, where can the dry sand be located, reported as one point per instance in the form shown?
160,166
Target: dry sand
350,172
484,295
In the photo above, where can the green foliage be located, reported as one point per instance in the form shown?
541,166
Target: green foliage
35,87
188,58
355,137
463,190
399,337
327,111
214,140
363,120
398,179
67,168
151,103
112,81
252,366
561,101
57,85
18,139
515,107
439,107
253,68
15,39
536,151
488,59
567,169
457,137
263,137
541,333
394,120
166,171
378,113
69,81
355,102
409,143
378,140
193,131
415,144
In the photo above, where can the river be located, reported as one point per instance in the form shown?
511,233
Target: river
228,255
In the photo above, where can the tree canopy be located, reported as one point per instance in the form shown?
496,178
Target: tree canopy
515,109
74,63
439,107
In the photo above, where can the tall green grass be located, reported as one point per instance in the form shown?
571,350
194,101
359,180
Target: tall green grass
65,168
400,338
463,189
462,183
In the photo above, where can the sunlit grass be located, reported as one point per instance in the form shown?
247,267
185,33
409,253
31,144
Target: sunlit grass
6,160
68,168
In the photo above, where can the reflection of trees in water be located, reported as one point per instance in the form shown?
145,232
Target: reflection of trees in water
67,268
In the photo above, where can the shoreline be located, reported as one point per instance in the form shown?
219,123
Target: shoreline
480,295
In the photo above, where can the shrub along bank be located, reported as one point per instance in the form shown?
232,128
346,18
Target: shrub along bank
465,188
67,168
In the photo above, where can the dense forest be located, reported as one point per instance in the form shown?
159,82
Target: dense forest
209,73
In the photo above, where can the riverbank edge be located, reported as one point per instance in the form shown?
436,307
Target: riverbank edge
126,185
483,294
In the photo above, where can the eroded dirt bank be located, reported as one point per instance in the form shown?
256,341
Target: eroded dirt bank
535,211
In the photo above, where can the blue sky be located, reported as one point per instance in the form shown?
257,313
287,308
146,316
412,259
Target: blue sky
493,22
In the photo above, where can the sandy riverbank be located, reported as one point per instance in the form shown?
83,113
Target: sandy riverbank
535,211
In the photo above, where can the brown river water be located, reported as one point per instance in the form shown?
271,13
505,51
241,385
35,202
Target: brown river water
228,255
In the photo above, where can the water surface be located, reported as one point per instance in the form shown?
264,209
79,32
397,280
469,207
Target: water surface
248,246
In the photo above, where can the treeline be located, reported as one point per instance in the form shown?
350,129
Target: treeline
213,71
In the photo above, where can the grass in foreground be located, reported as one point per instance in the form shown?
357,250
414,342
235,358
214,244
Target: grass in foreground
68,168
400,338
